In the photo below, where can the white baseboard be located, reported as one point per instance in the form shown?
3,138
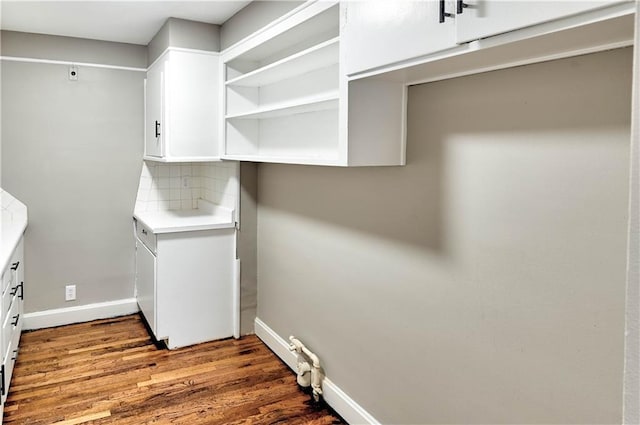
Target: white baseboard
81,313
346,407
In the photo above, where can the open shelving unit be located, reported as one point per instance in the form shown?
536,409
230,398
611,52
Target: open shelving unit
285,99
316,57
301,106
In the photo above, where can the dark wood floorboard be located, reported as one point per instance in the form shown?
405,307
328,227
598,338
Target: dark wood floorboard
110,372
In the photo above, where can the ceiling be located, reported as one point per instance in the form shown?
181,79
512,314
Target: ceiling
121,21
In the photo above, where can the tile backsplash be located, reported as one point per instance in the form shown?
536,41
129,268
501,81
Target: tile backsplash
178,186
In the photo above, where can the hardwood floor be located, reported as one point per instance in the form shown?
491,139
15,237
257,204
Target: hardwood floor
110,372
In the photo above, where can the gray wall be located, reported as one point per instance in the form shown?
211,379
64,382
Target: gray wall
186,34
72,154
39,46
247,246
251,18
484,282
632,331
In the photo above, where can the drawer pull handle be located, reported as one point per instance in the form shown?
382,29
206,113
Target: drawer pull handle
21,296
144,232
14,290
443,13
15,320
460,6
15,266
15,354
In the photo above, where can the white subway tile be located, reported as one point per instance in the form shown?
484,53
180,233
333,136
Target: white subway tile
163,182
174,170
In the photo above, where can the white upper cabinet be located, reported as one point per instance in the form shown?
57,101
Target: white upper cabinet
382,32
327,83
477,19
182,107
287,99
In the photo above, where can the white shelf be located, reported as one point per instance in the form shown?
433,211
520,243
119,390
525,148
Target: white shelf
304,160
182,158
319,56
318,103
287,99
317,22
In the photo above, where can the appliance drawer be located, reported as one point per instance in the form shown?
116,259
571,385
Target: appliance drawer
146,236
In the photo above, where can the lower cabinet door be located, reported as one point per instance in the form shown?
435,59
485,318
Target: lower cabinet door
11,330
146,284
195,278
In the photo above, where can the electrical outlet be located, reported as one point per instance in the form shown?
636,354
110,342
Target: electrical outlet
70,292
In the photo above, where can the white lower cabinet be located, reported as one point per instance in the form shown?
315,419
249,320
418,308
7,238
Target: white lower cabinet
11,317
185,284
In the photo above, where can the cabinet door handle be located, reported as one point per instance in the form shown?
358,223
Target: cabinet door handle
460,6
15,266
144,232
157,129
15,320
21,296
15,354
443,13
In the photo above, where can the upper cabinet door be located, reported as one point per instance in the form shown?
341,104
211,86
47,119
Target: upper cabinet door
182,107
192,105
484,18
377,33
154,120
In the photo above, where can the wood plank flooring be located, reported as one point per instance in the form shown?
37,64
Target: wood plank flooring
110,372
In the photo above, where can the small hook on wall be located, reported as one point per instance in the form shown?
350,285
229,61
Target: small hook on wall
73,73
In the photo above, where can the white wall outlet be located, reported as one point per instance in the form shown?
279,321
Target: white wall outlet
73,73
70,292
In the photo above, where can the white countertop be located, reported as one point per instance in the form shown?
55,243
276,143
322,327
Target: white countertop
14,223
206,217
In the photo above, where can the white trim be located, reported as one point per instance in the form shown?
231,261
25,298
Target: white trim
236,291
523,62
182,49
78,314
346,407
58,62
